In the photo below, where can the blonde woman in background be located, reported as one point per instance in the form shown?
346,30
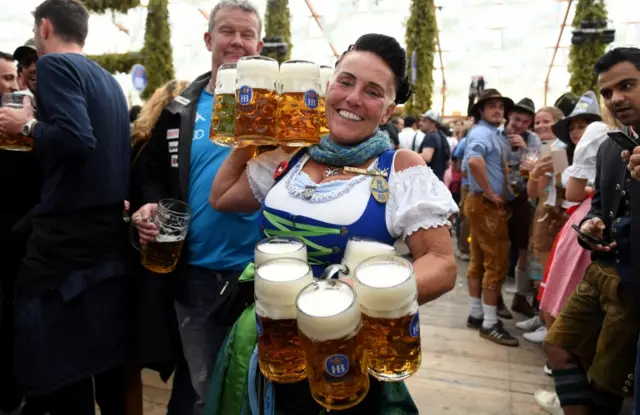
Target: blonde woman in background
156,339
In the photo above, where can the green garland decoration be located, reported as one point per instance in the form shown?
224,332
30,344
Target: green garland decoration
420,37
583,57
156,55
101,6
277,22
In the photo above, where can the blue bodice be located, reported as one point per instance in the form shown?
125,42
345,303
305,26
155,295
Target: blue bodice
325,241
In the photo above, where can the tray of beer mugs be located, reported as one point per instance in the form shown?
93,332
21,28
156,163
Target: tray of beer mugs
332,333
259,102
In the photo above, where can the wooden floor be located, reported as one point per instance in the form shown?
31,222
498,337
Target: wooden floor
460,374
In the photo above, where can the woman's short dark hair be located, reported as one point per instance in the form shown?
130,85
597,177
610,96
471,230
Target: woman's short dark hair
389,50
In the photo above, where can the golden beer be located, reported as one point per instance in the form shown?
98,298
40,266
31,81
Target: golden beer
256,101
326,73
224,107
172,220
14,142
387,293
298,123
329,321
162,255
277,283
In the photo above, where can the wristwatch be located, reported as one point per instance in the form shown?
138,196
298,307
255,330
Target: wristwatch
27,129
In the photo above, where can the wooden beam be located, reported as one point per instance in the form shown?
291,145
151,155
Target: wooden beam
317,19
555,50
444,81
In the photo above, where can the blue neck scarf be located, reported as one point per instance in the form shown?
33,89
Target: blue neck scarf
330,153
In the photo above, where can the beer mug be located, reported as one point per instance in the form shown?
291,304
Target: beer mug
279,247
326,73
256,100
529,157
14,142
224,107
277,283
172,219
299,84
388,297
358,249
329,321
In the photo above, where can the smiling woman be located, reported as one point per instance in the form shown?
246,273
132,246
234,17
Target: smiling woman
351,185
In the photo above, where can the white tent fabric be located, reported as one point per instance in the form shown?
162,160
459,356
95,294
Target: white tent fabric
510,43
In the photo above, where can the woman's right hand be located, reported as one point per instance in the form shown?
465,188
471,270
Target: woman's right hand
542,166
142,220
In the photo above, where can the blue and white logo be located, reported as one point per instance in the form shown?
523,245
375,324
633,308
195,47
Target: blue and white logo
244,95
139,77
258,325
414,327
337,365
311,99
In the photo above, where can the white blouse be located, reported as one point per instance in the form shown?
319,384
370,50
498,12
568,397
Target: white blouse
417,199
584,160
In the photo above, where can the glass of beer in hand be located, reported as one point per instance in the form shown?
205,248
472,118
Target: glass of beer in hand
14,142
329,321
277,283
224,107
529,158
358,249
279,247
388,298
298,123
172,219
256,100
326,73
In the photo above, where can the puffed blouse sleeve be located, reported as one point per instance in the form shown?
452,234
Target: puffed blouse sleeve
417,200
261,170
584,158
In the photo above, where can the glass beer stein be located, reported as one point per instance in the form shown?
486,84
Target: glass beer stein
388,297
279,247
298,123
256,101
14,142
329,321
359,249
172,219
224,107
326,73
277,283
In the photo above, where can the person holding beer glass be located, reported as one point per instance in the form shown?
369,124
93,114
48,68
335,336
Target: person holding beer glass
350,184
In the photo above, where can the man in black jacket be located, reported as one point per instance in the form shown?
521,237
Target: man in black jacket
598,327
181,162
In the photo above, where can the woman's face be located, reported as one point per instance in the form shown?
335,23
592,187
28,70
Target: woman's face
576,129
359,97
543,124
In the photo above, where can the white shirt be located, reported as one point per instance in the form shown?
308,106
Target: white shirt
405,137
417,200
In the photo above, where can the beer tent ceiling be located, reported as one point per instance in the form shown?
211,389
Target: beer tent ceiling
510,42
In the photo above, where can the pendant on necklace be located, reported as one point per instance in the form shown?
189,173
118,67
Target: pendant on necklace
331,171
308,192
380,189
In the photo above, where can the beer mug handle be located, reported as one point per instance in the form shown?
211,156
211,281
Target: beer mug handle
331,271
132,237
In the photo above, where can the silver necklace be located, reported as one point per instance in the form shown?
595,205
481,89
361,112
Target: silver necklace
332,171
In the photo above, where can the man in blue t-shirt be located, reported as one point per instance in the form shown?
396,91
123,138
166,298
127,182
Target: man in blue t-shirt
181,162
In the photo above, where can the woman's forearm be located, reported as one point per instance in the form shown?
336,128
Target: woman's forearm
228,175
435,276
536,186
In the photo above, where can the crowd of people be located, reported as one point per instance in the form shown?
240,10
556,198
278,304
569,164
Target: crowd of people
545,196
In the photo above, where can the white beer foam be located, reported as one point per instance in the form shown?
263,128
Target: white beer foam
359,250
169,238
257,73
323,316
226,81
299,77
277,284
267,251
326,74
387,288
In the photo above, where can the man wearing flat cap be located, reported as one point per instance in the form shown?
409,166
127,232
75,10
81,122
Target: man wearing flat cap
433,147
27,57
485,162
520,139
